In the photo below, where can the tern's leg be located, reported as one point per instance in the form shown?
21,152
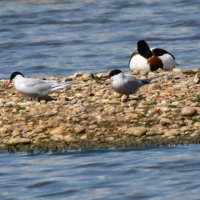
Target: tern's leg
32,98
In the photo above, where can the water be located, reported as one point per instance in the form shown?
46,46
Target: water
57,37
140,173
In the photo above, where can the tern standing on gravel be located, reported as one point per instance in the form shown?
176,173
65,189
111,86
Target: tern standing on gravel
125,84
30,87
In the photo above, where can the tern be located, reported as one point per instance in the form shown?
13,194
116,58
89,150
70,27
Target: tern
125,84
31,87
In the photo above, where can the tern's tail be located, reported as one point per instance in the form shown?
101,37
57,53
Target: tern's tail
67,85
61,85
146,81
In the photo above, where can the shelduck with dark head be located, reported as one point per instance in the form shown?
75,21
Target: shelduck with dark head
151,59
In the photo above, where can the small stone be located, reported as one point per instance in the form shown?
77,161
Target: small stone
116,95
92,127
130,116
70,78
197,124
143,72
84,116
153,86
73,101
15,133
177,71
98,119
150,133
197,78
136,131
161,132
79,95
135,72
159,70
172,132
164,94
110,138
99,75
38,130
175,103
3,130
185,128
86,76
164,109
82,108
77,74
57,137
69,138
43,102
188,111
165,121
83,137
194,104
58,130
80,129
14,141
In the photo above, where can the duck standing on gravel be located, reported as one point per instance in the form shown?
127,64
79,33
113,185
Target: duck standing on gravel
31,87
151,59
123,84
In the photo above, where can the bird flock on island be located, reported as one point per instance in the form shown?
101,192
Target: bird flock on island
144,58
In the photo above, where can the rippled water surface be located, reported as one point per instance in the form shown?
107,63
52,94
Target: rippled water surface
57,37
141,173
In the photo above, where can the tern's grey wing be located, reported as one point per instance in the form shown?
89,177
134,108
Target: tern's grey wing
36,86
32,82
132,84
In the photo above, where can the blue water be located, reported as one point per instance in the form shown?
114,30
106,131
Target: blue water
61,37
140,173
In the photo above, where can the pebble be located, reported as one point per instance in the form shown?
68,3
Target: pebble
86,76
197,78
188,111
74,101
58,130
80,129
165,121
69,138
176,70
15,141
150,133
154,86
172,132
136,131
185,128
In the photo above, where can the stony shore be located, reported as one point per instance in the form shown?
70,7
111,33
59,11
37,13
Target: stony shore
92,115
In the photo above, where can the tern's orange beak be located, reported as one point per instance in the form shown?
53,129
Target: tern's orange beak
8,84
107,77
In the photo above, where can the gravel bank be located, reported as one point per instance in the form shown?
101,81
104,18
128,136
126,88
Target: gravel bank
165,112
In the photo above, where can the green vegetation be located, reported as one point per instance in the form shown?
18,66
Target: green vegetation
20,108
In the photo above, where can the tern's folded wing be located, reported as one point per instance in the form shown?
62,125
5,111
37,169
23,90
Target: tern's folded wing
35,86
132,84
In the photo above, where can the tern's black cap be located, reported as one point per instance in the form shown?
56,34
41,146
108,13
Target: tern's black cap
14,74
114,72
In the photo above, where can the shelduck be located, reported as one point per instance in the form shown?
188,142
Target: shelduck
151,59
